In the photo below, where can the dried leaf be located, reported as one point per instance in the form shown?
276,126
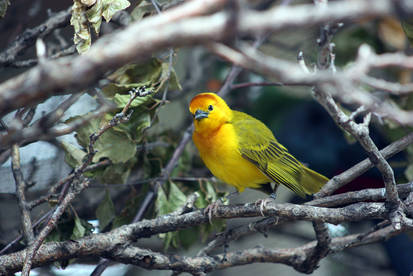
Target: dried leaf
82,37
142,10
88,2
94,15
110,7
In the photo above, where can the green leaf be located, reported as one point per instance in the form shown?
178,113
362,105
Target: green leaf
173,82
176,197
148,72
152,74
161,203
140,120
94,15
167,204
110,7
121,100
3,7
105,213
112,89
79,230
73,155
70,226
114,145
55,235
134,201
116,173
211,194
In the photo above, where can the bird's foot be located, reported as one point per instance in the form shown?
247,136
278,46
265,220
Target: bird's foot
212,209
263,202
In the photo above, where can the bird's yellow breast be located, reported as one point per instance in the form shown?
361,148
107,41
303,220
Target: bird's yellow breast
220,152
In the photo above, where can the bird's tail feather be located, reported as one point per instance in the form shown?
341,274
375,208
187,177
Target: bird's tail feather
312,181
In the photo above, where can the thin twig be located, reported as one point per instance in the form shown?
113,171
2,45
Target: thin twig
20,193
76,186
51,224
19,237
378,194
28,38
352,173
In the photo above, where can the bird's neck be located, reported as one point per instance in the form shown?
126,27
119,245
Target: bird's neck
206,131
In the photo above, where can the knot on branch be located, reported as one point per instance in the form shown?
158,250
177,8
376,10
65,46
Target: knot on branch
396,212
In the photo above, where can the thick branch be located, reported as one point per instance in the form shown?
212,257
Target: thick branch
172,28
109,245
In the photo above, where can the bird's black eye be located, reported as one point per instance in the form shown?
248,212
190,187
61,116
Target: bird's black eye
210,107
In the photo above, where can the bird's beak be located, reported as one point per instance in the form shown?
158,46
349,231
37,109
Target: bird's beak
200,114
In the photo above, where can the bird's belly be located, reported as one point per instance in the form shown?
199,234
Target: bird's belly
224,160
237,172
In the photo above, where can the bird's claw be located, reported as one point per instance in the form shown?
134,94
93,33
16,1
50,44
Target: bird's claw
263,202
212,209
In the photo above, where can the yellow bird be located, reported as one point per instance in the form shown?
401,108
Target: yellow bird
241,151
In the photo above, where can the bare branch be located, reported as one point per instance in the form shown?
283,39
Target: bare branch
58,212
361,133
28,38
352,173
109,244
20,193
173,28
393,88
76,186
358,196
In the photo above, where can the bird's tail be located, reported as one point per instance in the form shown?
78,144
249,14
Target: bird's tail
312,181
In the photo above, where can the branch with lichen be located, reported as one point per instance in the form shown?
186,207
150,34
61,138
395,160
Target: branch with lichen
109,245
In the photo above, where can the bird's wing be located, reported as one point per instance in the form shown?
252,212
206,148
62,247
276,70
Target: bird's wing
258,145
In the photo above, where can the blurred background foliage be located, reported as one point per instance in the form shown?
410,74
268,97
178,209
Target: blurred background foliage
139,149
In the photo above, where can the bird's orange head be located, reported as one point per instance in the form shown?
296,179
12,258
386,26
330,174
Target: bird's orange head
210,112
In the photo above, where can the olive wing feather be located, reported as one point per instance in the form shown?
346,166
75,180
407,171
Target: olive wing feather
258,145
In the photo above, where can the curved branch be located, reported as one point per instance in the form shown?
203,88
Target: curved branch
173,28
109,245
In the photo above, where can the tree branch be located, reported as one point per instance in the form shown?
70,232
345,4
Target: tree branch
29,36
20,193
174,28
352,173
74,185
109,245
